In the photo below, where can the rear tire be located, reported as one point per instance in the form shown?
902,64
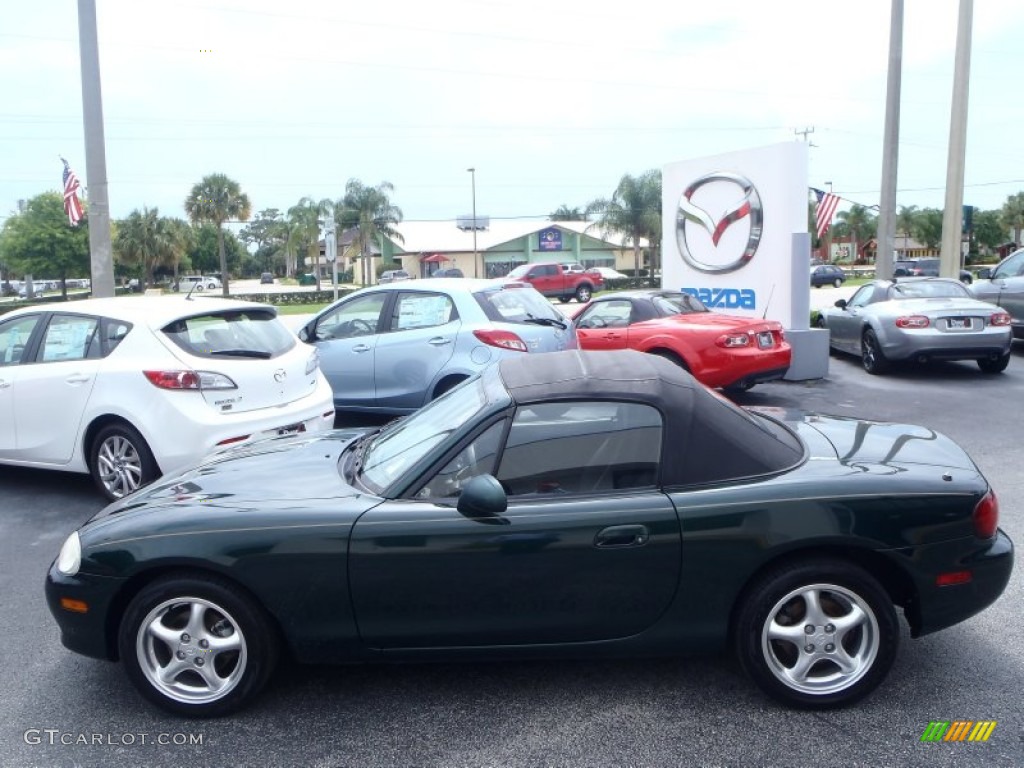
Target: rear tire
816,634
838,283
871,356
564,299
120,461
994,366
583,293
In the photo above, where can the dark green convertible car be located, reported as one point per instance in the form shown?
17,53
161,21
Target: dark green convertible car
564,504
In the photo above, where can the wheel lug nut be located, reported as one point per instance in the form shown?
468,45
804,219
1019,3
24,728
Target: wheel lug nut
199,661
181,655
830,628
809,629
185,637
204,644
829,647
809,648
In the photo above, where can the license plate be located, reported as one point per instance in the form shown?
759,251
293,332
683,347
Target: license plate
959,323
291,429
765,340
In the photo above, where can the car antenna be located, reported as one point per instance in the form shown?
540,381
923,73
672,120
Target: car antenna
768,303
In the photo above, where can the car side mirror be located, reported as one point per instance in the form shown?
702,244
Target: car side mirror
483,499
841,303
985,273
305,332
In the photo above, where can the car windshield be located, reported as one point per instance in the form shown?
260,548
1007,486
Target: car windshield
398,448
929,289
677,304
520,271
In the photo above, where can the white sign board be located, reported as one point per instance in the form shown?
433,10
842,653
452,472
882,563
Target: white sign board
728,225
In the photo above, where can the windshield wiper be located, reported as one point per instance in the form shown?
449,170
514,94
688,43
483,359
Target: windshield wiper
549,321
256,353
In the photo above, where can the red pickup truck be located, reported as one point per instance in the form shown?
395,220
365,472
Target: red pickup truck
552,280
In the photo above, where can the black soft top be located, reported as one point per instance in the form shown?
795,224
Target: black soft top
706,438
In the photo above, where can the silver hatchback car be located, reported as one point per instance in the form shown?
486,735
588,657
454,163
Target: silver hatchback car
392,348
919,319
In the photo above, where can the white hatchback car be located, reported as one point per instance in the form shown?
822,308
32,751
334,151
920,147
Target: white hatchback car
198,283
130,388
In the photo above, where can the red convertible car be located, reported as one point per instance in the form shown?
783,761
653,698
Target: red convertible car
727,351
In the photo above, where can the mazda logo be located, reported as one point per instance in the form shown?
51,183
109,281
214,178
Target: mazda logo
746,205
280,375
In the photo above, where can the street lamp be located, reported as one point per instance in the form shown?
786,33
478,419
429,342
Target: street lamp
472,175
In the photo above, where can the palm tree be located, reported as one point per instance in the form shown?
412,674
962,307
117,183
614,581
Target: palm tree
371,212
217,199
860,224
1013,215
304,219
138,241
906,219
634,211
175,240
565,213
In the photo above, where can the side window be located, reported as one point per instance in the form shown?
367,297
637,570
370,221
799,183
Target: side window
421,310
357,317
477,458
862,297
1012,267
70,337
581,447
607,314
114,332
14,335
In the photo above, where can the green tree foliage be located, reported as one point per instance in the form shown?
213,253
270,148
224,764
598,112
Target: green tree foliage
42,243
304,231
267,234
217,199
860,224
906,219
989,231
928,227
209,240
1013,215
634,211
565,213
370,211
136,241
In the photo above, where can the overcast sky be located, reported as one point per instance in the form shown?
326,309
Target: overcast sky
552,101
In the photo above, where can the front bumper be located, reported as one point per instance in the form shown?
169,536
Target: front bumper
934,608
90,633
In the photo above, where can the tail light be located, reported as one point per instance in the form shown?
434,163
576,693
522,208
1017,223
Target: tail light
1000,318
502,339
733,340
192,380
913,321
986,516
313,362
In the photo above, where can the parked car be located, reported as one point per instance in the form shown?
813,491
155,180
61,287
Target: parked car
827,274
607,273
267,278
128,389
392,348
198,283
919,319
573,268
554,282
567,505
925,268
450,272
1004,287
394,276
721,350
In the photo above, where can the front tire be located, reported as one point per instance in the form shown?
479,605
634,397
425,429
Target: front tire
583,294
120,461
197,647
871,355
998,365
837,283
817,634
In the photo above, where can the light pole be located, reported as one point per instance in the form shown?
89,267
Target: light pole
472,176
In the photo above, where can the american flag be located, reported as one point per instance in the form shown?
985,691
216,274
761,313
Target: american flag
72,205
826,209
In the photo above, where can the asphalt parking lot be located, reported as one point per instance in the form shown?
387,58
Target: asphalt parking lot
61,709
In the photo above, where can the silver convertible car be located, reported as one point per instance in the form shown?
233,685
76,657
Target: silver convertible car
919,319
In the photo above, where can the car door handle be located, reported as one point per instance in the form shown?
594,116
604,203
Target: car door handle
77,378
616,536
361,348
439,341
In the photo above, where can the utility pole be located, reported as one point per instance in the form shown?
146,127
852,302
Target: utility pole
472,173
951,256
804,132
890,151
100,251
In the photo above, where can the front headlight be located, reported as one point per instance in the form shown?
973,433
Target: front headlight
70,558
